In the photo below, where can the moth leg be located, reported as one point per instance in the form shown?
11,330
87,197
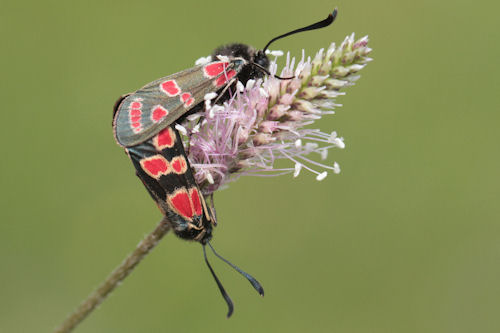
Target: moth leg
213,213
194,226
223,91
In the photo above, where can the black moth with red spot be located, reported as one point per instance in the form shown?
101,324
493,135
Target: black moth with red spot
144,124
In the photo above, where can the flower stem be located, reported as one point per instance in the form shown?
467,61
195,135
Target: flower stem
115,278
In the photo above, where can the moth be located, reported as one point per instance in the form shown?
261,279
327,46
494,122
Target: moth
144,123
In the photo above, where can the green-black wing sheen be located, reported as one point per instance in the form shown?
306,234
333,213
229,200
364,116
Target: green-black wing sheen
144,113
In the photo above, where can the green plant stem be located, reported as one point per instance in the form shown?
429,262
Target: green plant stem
115,278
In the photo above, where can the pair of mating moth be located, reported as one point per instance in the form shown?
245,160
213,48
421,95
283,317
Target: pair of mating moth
144,124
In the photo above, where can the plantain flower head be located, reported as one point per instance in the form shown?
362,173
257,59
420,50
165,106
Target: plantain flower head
271,119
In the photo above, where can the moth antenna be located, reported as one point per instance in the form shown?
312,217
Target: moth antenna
262,68
318,25
228,300
257,286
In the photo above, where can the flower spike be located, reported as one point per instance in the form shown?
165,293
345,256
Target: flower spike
270,119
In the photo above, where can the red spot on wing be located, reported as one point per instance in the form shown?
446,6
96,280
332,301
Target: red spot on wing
158,113
222,80
213,69
179,164
187,99
155,166
164,139
170,88
195,199
181,203
135,112
136,105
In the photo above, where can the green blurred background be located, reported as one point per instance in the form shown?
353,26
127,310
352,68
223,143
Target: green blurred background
405,239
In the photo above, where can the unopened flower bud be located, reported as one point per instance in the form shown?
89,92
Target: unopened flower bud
304,105
268,126
355,68
318,80
286,99
278,111
335,84
295,115
310,92
340,71
262,139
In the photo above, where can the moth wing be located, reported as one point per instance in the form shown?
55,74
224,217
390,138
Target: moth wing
161,165
144,113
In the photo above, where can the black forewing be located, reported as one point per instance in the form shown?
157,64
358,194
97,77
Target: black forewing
162,186
134,119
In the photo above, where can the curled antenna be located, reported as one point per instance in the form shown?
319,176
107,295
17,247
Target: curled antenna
262,68
226,297
257,286
318,25
228,300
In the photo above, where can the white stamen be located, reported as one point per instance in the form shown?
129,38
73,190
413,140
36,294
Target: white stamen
321,176
298,167
250,84
212,110
223,58
181,128
275,53
324,154
194,116
203,60
210,96
332,137
298,143
209,178
208,104
240,86
218,108
263,92
311,146
336,168
339,143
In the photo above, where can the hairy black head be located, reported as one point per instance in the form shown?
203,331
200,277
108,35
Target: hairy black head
248,53
189,231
